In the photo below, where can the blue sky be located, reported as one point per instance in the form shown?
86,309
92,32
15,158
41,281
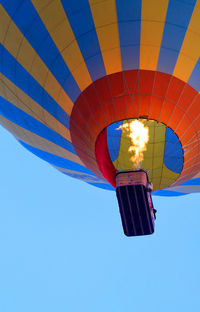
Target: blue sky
62,247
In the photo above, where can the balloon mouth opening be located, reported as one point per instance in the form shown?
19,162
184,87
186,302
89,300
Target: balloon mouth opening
133,144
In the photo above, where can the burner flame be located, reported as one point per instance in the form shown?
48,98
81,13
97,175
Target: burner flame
139,135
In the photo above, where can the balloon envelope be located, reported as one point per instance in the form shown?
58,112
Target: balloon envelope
73,71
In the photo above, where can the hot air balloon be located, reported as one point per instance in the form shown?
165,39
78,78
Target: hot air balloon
75,73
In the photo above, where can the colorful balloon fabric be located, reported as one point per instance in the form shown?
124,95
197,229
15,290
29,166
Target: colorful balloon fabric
73,71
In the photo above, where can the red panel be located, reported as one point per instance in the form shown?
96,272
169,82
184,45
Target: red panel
175,88
135,101
91,97
103,158
84,108
161,84
121,108
103,89
116,84
79,121
146,81
131,109
110,111
187,97
130,80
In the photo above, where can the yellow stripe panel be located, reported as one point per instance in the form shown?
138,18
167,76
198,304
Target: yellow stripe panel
190,50
17,97
14,41
57,24
37,141
152,25
105,19
168,177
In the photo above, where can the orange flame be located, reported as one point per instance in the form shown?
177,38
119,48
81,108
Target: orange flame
139,135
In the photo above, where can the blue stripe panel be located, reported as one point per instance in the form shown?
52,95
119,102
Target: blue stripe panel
173,156
79,15
113,139
28,21
129,23
56,160
168,193
176,24
103,186
23,80
194,80
22,119
192,182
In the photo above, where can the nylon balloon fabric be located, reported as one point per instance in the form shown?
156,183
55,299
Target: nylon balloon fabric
74,71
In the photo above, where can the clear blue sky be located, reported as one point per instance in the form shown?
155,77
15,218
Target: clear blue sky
62,247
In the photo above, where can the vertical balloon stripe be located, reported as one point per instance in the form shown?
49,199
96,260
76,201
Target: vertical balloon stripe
177,20
35,32
105,20
190,50
23,80
129,22
37,141
81,21
54,160
194,80
17,97
152,25
86,177
17,45
22,119
60,31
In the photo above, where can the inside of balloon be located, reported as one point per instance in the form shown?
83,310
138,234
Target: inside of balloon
162,156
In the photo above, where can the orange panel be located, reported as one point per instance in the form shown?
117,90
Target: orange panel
167,110
185,129
155,108
144,104
176,115
194,108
